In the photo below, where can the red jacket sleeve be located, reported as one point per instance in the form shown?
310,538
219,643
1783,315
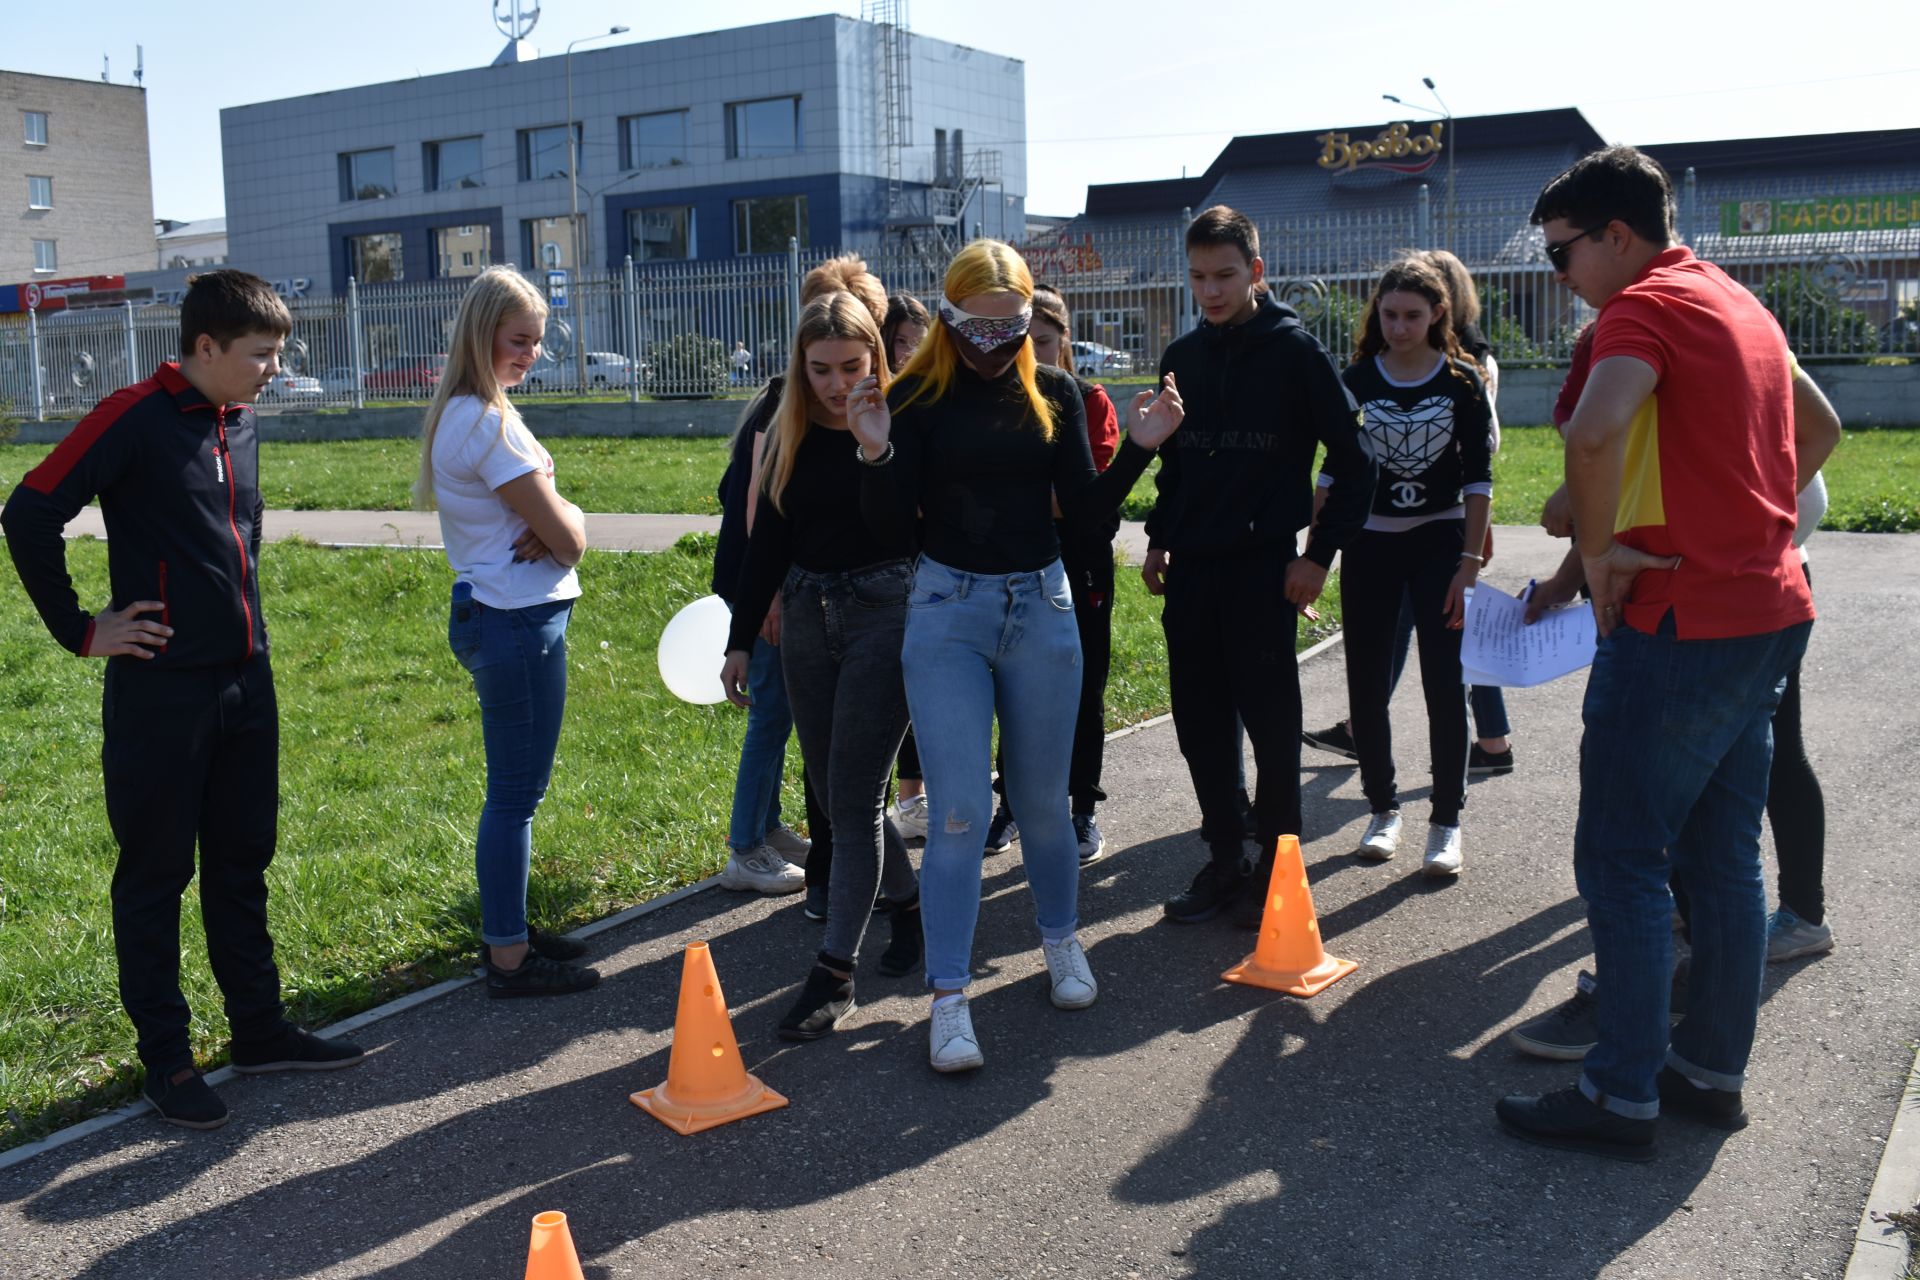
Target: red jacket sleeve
1103,427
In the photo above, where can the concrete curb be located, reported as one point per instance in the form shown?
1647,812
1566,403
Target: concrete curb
1880,1249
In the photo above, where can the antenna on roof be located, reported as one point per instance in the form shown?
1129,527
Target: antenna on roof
104,79
139,64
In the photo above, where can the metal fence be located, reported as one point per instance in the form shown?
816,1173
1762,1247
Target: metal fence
696,329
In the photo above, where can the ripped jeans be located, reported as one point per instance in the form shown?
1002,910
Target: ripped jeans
978,644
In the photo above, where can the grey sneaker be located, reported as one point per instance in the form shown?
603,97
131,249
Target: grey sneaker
761,870
1072,976
1382,840
953,1045
789,844
1443,851
1789,937
910,817
1564,1034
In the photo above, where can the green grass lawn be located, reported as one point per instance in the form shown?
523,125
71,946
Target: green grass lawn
1873,478
381,778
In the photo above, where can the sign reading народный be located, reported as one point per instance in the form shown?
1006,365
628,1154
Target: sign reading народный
1821,213
1395,147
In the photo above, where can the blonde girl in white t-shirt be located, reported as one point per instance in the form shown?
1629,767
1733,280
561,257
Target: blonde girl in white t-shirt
512,541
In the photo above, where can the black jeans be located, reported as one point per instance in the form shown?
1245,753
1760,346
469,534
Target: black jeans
1089,566
1375,570
1230,635
840,638
192,757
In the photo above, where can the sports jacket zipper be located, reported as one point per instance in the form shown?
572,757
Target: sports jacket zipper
233,525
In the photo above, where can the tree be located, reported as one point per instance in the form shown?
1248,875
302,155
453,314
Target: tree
1815,318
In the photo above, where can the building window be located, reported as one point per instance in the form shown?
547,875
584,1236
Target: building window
462,251
36,128
767,127
375,259
39,192
655,141
660,235
453,164
546,244
765,224
543,152
366,175
46,259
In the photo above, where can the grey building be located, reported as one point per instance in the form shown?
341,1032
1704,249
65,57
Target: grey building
832,130
74,179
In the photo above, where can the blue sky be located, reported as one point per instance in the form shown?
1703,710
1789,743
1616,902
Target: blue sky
1116,91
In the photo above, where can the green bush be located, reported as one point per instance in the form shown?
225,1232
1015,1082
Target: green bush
1815,318
687,365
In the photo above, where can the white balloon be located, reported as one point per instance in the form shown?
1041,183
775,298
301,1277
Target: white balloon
692,648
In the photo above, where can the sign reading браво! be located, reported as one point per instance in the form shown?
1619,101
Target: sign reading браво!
1395,147
1824,213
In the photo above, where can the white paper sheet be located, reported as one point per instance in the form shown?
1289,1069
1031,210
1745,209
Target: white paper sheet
1499,648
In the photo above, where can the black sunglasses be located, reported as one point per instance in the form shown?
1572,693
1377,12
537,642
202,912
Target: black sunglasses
1557,250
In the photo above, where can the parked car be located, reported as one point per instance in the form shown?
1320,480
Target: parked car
337,381
604,369
407,374
293,386
1092,360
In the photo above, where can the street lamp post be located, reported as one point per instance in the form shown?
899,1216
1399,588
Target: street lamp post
1445,113
573,186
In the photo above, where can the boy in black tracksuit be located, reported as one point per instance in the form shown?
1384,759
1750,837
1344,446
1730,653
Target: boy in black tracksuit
1235,487
191,734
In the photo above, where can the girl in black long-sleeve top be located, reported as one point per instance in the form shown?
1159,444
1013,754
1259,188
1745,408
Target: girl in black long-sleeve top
980,441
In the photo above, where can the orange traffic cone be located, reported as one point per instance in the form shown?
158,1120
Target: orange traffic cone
550,1255
707,1084
1289,956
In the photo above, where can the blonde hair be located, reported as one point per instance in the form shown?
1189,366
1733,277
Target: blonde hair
847,272
984,266
496,296
839,314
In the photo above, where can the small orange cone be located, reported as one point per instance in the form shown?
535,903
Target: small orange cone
550,1255
707,1084
1289,956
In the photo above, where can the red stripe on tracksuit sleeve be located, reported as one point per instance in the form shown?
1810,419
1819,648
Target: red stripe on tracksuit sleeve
59,464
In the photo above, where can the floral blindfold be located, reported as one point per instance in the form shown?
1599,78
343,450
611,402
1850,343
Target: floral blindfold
987,336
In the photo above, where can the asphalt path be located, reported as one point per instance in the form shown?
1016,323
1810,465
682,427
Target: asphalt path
1180,1127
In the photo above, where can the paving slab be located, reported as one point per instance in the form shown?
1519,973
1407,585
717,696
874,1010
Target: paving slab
1180,1127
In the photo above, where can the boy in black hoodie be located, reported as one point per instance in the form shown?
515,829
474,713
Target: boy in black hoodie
191,727
1235,487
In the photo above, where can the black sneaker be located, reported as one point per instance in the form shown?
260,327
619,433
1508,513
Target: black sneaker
825,1002
1002,831
1719,1108
1338,740
295,1050
1568,1122
1211,892
1249,826
539,976
1093,845
554,946
909,944
1250,903
189,1103
816,905
1488,764
1566,1033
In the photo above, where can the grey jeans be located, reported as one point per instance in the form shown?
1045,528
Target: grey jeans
840,637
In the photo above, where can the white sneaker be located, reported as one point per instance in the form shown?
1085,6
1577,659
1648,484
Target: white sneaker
789,844
1073,984
761,870
1382,840
910,817
954,1046
1443,851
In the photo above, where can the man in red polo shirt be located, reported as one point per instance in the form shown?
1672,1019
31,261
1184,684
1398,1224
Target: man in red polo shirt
1684,458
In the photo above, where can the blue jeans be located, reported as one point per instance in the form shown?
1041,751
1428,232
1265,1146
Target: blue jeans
763,753
977,644
1673,780
518,660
